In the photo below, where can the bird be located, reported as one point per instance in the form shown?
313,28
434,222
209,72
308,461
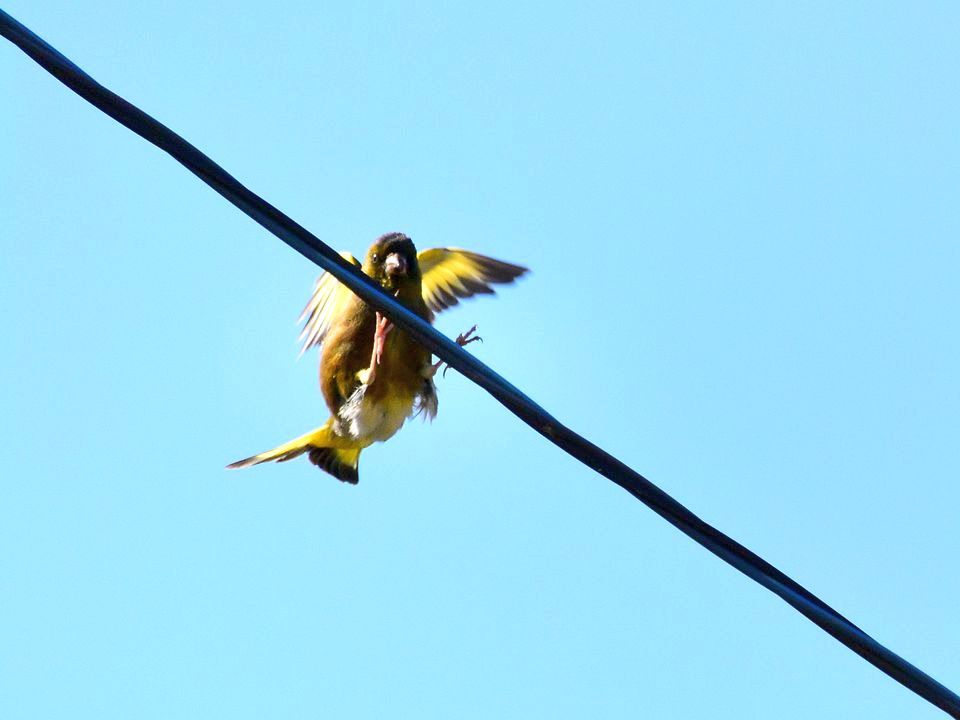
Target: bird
374,377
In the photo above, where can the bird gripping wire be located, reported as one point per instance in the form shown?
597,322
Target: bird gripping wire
512,398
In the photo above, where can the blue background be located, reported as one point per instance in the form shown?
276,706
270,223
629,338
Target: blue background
742,221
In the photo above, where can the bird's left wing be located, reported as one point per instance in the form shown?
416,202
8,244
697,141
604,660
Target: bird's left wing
327,301
452,273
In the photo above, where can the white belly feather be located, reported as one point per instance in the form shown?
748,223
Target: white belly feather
367,421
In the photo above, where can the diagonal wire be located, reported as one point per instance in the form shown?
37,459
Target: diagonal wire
512,398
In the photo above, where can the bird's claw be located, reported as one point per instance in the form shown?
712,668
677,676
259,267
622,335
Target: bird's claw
463,339
468,337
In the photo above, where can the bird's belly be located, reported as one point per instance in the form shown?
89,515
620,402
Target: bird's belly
369,419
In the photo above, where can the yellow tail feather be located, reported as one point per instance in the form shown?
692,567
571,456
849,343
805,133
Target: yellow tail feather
326,449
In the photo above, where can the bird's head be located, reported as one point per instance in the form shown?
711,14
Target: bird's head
392,261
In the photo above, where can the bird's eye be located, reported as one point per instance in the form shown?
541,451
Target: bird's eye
375,257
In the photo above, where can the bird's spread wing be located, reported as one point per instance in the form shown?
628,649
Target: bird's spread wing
326,302
451,273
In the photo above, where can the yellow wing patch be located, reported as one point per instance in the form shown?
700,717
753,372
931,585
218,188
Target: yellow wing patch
450,274
327,301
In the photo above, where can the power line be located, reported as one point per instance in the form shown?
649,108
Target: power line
512,398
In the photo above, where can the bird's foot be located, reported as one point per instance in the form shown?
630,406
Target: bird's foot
468,337
462,340
383,328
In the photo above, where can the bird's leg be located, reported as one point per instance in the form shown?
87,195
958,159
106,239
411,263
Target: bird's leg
462,340
383,328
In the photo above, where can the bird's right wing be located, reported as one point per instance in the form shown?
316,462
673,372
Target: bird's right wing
327,301
452,273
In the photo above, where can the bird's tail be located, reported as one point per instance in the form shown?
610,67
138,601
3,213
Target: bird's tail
327,450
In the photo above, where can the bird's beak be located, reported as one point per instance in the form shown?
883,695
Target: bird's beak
395,264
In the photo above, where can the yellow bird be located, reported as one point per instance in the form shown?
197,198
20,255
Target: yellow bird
374,377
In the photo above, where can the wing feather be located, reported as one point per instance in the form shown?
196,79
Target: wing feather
326,302
451,274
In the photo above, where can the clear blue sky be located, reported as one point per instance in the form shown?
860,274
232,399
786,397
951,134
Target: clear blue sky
743,226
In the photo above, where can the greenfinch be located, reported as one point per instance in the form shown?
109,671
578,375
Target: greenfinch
374,377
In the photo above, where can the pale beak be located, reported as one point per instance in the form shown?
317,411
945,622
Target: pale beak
395,264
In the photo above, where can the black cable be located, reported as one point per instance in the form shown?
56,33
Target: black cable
513,399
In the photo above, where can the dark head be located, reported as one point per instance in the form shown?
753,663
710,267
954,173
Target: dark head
392,261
